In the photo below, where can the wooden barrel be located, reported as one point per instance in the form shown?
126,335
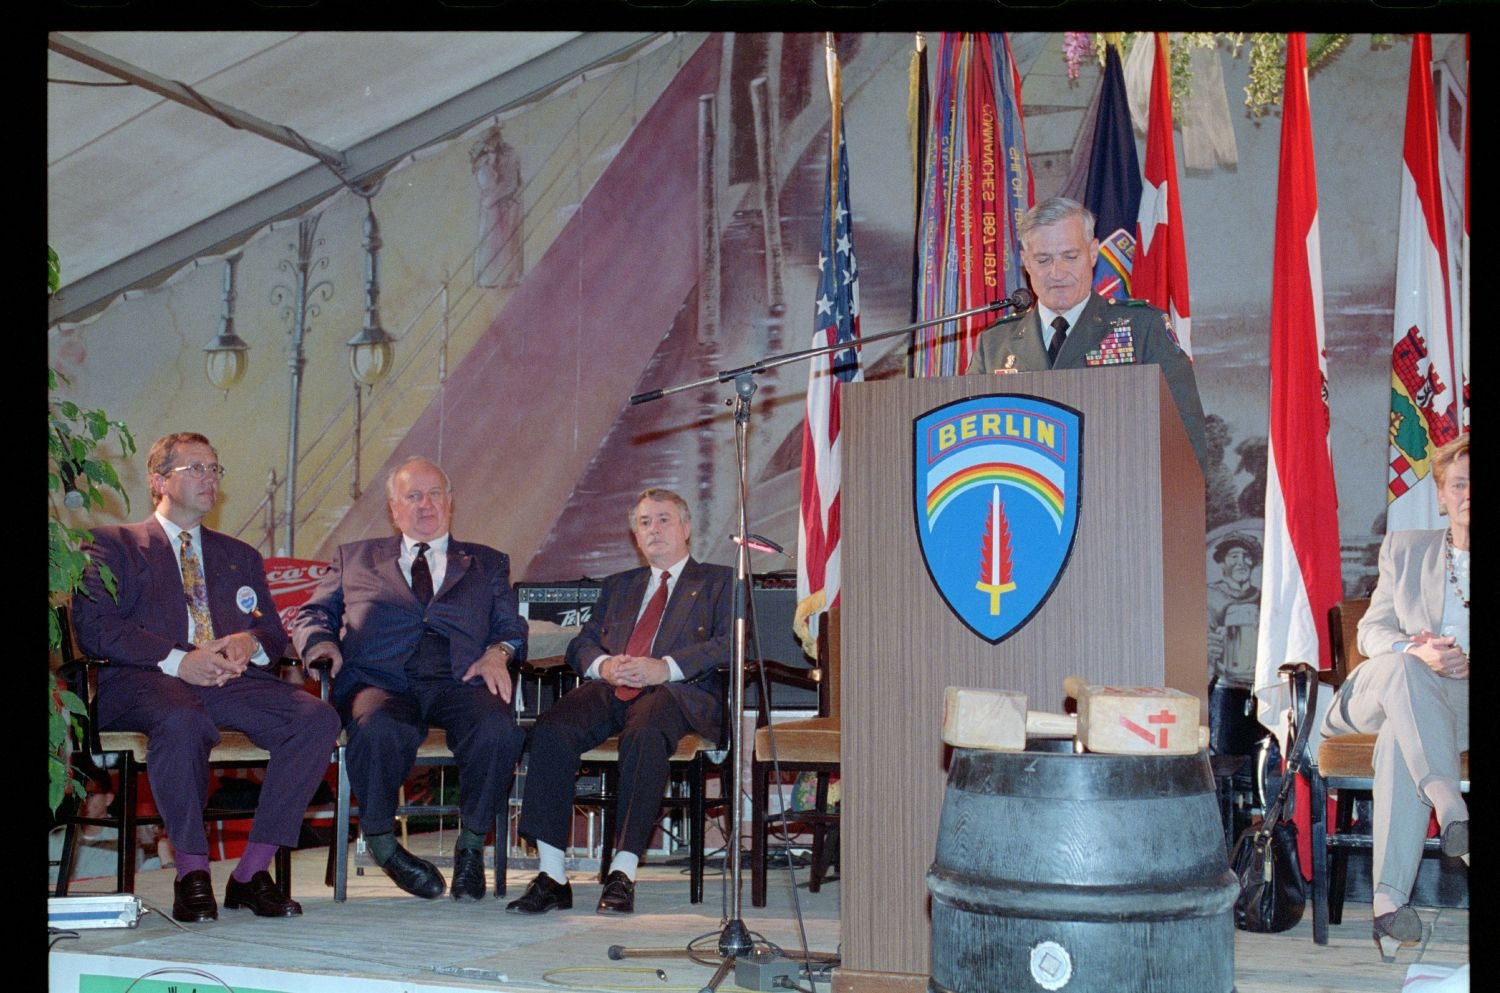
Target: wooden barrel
1081,873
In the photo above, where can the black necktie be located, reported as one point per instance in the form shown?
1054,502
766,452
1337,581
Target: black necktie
421,575
1059,334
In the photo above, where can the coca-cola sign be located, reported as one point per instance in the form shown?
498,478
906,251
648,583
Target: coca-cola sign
292,582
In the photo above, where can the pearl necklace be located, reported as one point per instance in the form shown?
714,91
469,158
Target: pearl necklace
1463,595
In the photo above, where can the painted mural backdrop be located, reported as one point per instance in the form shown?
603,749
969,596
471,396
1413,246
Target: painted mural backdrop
627,233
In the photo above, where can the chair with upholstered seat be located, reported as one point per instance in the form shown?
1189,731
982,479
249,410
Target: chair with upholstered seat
695,759
810,745
1346,767
125,751
433,752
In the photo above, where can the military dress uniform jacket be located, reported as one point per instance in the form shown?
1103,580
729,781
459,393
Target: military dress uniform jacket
1107,333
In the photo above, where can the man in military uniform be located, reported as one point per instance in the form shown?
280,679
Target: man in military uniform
1072,327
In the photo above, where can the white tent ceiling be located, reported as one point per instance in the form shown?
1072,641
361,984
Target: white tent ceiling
163,146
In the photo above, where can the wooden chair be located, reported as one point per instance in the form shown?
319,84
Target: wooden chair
1346,767
694,761
433,752
128,751
810,745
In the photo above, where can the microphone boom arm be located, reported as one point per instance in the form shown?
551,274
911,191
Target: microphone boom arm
1021,298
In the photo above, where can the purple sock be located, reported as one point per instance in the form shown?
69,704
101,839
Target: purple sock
188,862
257,858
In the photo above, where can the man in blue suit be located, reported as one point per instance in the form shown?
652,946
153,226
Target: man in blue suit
421,629
650,658
189,633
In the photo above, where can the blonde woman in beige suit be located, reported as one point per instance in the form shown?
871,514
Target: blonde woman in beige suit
1412,692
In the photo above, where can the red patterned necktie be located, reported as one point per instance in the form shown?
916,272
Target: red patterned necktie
195,590
645,633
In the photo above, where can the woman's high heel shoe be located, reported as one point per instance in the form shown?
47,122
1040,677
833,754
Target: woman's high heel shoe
1456,840
1398,928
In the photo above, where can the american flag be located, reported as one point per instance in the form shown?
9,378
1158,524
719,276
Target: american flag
836,319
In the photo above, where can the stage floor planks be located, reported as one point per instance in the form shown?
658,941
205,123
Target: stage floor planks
382,940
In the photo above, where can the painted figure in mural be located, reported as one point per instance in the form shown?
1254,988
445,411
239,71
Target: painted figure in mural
190,637
421,629
1234,611
1218,481
1254,461
1412,692
1072,327
650,659
497,170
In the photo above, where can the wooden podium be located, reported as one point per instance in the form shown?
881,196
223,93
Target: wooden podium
1130,607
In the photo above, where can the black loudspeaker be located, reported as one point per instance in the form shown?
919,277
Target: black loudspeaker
773,604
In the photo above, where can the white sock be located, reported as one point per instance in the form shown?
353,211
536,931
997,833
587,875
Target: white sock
1383,902
625,862
550,860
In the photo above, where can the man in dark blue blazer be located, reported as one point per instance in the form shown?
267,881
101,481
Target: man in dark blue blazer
188,635
651,675
421,629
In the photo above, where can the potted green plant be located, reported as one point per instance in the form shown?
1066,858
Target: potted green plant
78,477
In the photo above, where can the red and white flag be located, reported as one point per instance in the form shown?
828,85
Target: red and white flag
835,319
1160,274
1300,573
1467,281
1427,402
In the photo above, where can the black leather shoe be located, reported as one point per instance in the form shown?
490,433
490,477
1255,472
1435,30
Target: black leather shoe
544,894
1400,928
418,877
1455,840
468,874
262,896
193,898
619,894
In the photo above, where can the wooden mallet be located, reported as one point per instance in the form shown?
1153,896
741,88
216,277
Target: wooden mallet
1136,720
997,720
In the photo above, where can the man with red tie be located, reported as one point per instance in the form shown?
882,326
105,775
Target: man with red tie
650,658
189,632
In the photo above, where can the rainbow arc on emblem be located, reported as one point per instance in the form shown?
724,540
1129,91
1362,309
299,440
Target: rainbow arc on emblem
957,476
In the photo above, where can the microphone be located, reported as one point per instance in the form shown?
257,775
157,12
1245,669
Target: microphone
1021,299
756,542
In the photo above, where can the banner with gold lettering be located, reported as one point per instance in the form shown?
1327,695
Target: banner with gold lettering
977,186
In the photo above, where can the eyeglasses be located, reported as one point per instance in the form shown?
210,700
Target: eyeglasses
199,470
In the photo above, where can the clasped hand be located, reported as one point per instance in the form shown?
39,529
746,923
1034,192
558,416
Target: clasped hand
1441,654
216,662
634,670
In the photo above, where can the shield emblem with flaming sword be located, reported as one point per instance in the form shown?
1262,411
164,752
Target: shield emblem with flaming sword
997,481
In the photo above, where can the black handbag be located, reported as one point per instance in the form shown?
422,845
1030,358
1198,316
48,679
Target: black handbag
1273,893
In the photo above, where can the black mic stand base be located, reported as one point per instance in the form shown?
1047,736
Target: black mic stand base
734,931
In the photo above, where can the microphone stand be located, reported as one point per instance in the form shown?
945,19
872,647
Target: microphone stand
734,939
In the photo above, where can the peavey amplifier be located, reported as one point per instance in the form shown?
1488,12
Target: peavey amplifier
548,607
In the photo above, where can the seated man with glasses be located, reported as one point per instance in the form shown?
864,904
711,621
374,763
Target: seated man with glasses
189,629
421,629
